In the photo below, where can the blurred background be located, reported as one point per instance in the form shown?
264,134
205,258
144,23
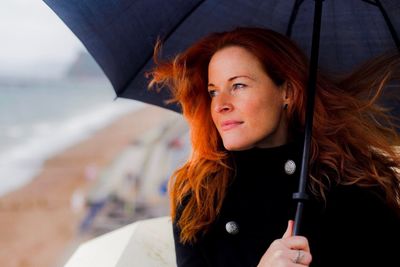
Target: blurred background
75,162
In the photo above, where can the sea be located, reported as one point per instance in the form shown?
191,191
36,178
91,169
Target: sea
39,119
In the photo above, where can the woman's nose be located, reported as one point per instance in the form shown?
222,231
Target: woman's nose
222,104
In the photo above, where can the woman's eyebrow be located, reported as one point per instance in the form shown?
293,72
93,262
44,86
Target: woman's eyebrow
240,76
235,77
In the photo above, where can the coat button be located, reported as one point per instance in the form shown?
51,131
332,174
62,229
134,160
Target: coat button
290,167
232,227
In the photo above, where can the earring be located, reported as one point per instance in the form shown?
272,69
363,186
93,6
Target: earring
285,106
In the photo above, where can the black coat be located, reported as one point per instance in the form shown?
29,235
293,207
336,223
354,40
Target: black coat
355,228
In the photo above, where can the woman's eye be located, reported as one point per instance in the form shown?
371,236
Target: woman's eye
238,86
212,93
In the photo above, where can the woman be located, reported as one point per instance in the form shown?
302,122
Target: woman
243,95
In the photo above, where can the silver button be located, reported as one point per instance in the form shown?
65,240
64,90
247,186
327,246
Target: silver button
290,167
232,227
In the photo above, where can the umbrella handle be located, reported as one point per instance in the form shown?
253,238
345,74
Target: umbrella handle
301,196
299,211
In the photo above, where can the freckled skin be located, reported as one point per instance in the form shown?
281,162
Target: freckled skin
251,98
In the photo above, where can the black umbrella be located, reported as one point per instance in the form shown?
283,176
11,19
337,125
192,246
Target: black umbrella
120,35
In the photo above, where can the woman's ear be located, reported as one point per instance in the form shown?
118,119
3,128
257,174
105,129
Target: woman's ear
287,92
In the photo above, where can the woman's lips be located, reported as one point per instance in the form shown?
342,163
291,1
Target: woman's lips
227,125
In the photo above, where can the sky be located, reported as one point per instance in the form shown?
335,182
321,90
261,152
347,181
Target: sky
34,41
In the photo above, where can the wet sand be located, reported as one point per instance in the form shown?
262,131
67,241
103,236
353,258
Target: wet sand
38,225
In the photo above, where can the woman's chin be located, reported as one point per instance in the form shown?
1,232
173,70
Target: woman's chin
236,146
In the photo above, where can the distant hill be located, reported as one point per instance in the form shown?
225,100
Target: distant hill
84,67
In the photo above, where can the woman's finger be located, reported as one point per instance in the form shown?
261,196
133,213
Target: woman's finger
289,230
301,257
296,242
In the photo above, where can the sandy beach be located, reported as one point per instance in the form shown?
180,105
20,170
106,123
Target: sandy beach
37,224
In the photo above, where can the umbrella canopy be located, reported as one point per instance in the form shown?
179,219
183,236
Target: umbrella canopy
121,35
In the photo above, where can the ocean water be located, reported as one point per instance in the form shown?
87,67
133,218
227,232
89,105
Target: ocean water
40,119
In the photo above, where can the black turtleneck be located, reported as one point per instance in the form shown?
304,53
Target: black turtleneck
260,175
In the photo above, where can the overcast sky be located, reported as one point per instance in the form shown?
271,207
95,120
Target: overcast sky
34,41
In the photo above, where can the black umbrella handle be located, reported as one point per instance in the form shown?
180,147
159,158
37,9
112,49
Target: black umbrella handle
301,196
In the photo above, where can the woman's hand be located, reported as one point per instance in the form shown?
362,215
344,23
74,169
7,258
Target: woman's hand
287,251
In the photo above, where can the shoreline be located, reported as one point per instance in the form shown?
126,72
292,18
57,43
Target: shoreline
23,161
38,221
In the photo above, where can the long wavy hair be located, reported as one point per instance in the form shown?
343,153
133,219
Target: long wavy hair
353,137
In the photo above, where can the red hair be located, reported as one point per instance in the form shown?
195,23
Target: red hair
352,141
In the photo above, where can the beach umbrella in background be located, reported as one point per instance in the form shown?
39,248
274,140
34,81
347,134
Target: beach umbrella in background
121,34
147,243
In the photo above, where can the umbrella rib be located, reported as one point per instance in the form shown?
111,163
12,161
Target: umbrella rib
372,2
389,24
293,16
148,58
393,32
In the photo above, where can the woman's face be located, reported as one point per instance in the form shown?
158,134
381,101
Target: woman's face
246,105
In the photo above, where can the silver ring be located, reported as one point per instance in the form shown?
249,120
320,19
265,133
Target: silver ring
298,257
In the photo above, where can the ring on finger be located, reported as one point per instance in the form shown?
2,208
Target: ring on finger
299,256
